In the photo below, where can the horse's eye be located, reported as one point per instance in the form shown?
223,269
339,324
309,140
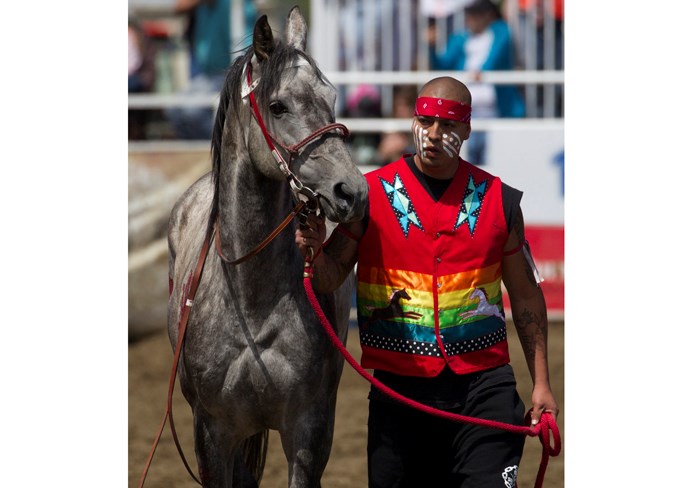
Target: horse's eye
277,108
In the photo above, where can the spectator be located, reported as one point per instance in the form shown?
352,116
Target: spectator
140,74
209,41
486,45
445,13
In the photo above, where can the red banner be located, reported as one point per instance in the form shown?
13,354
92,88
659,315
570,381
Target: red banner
547,247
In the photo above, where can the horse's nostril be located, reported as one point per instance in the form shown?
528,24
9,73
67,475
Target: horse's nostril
342,192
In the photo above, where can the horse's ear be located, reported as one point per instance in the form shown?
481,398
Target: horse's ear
297,30
263,38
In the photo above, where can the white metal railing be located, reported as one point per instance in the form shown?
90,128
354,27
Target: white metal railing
391,35
362,125
384,78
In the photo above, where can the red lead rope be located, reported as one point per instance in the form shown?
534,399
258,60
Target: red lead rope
546,425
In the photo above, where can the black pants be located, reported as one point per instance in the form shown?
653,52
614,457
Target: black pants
410,449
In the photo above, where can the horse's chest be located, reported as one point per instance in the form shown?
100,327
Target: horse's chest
261,357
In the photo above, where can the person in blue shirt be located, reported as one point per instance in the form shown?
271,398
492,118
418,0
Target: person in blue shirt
485,45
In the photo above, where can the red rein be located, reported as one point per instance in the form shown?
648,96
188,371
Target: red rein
543,429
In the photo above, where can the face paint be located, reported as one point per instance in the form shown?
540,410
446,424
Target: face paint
420,137
451,141
451,144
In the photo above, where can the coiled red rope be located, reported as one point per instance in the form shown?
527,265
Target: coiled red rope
543,429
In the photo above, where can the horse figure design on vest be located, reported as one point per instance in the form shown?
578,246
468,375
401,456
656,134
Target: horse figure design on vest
255,356
484,308
393,310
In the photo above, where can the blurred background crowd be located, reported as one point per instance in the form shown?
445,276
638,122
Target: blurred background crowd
182,48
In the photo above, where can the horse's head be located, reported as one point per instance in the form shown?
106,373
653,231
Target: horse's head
396,295
478,293
295,100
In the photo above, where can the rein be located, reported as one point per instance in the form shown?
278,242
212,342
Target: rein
212,234
295,211
542,430
186,307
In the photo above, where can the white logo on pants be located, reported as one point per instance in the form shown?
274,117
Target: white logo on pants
510,476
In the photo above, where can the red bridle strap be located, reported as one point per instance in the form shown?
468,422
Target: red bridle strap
294,149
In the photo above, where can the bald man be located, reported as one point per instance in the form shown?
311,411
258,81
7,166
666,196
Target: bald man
447,234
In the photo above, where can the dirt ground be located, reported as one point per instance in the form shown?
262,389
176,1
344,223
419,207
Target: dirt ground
150,362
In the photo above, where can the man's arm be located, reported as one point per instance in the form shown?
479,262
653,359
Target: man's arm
530,317
335,261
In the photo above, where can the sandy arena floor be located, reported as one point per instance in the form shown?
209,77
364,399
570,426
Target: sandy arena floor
149,367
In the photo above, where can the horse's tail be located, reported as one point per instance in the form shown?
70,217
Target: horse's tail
254,450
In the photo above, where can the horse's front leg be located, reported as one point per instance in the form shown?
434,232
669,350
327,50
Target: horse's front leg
215,450
307,443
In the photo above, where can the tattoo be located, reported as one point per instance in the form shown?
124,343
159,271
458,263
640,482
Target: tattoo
532,329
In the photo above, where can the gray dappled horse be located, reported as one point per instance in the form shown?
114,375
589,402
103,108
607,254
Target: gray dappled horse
254,356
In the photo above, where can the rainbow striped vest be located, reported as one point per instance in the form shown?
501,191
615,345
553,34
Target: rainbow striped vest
429,274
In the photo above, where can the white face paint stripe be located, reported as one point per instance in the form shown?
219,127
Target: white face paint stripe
419,139
451,142
456,136
451,147
447,148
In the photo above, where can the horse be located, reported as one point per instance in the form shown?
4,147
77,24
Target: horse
393,310
484,308
255,357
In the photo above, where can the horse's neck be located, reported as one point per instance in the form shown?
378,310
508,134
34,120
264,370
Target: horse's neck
250,207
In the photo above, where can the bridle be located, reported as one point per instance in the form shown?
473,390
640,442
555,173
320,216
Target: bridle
295,183
307,200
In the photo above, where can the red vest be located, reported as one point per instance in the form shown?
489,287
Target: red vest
446,256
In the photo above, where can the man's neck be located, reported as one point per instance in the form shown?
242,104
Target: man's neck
442,172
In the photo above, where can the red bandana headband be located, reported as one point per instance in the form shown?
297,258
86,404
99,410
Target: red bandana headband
443,108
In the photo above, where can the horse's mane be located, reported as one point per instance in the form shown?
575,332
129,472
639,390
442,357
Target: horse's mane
281,57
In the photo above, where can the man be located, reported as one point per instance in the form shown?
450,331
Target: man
440,236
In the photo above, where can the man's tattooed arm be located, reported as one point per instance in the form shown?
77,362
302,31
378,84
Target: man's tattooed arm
527,303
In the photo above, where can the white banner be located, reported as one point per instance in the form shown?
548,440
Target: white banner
533,162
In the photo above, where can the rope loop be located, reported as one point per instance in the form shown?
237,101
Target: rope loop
547,426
